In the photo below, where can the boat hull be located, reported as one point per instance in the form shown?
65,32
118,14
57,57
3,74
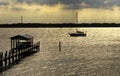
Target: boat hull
77,34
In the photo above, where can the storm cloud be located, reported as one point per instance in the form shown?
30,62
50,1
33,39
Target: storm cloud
75,4
4,3
69,4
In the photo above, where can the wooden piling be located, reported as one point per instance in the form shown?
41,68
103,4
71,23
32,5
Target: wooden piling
5,59
9,59
1,62
60,46
12,57
16,55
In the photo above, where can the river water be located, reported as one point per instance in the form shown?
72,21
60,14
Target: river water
97,54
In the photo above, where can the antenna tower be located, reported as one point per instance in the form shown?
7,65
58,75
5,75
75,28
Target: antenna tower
76,17
21,19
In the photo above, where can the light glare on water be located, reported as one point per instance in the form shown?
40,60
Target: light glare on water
97,54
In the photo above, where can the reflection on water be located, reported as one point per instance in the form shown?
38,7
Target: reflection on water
98,54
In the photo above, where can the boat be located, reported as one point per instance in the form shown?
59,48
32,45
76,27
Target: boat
77,34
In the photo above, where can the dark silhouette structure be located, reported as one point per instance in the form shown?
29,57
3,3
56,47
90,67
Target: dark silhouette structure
19,41
78,34
21,47
58,25
21,19
60,46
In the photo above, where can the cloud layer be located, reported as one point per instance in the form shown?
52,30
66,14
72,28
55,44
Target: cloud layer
76,4
4,2
71,4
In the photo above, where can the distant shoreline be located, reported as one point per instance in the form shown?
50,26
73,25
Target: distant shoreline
50,25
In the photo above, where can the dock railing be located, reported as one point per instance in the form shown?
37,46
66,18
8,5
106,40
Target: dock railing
13,56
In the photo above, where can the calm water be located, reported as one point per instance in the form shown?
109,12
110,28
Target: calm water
98,54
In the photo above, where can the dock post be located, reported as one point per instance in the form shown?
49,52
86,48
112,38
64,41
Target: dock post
13,57
5,60
9,59
59,46
1,62
39,47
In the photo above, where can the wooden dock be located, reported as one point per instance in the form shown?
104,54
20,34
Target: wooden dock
13,56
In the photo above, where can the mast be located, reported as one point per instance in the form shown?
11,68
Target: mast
76,17
21,16
21,19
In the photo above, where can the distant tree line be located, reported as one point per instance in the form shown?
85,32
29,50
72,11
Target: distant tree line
59,25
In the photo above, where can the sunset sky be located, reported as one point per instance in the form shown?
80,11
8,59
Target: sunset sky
60,11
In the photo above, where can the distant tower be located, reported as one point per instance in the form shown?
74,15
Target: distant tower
76,17
21,19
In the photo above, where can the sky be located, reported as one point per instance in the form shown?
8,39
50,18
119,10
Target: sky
59,11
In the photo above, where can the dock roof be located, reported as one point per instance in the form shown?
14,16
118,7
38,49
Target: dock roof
22,37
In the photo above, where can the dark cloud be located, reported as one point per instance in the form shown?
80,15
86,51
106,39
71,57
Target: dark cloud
4,3
49,2
76,4
73,4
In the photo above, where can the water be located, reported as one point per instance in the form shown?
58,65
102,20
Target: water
98,54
